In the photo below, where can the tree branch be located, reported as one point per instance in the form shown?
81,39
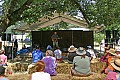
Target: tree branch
82,11
19,11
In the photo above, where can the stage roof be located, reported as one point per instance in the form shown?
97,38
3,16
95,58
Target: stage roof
50,20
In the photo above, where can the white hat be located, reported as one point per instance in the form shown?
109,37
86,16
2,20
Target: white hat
72,49
89,47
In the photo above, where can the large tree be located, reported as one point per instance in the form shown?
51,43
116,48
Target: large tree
100,12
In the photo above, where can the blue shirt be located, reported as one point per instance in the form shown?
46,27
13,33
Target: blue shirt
36,56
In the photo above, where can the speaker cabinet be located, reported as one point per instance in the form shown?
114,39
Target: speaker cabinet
108,33
114,33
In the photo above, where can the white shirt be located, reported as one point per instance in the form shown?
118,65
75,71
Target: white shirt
92,53
41,76
58,54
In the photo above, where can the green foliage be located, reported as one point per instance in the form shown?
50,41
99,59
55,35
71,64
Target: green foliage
105,12
98,37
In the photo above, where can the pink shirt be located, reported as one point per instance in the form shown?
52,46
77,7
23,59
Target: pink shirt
3,58
111,76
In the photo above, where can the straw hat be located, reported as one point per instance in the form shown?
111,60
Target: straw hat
116,64
72,49
80,51
112,51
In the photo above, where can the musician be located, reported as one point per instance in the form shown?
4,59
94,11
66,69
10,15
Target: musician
55,38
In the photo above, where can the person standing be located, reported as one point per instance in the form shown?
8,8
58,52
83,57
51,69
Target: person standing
15,47
37,55
54,38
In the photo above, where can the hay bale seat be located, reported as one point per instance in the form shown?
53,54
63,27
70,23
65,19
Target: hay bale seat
63,70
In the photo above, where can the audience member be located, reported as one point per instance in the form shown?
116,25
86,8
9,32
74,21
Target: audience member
49,47
71,53
114,75
50,63
40,74
87,53
111,56
2,73
107,58
81,63
58,54
3,58
117,53
106,54
91,51
37,54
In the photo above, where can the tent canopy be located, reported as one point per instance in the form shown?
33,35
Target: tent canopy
50,20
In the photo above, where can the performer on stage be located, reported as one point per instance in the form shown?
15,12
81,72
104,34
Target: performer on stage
55,38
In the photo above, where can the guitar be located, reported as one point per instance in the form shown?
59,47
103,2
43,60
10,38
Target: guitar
55,39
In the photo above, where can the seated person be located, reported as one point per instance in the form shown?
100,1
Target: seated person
37,54
114,75
91,51
3,58
71,53
109,59
81,58
49,47
117,53
58,54
110,54
50,63
40,74
2,73
23,51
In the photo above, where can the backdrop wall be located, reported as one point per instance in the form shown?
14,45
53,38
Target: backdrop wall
67,37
